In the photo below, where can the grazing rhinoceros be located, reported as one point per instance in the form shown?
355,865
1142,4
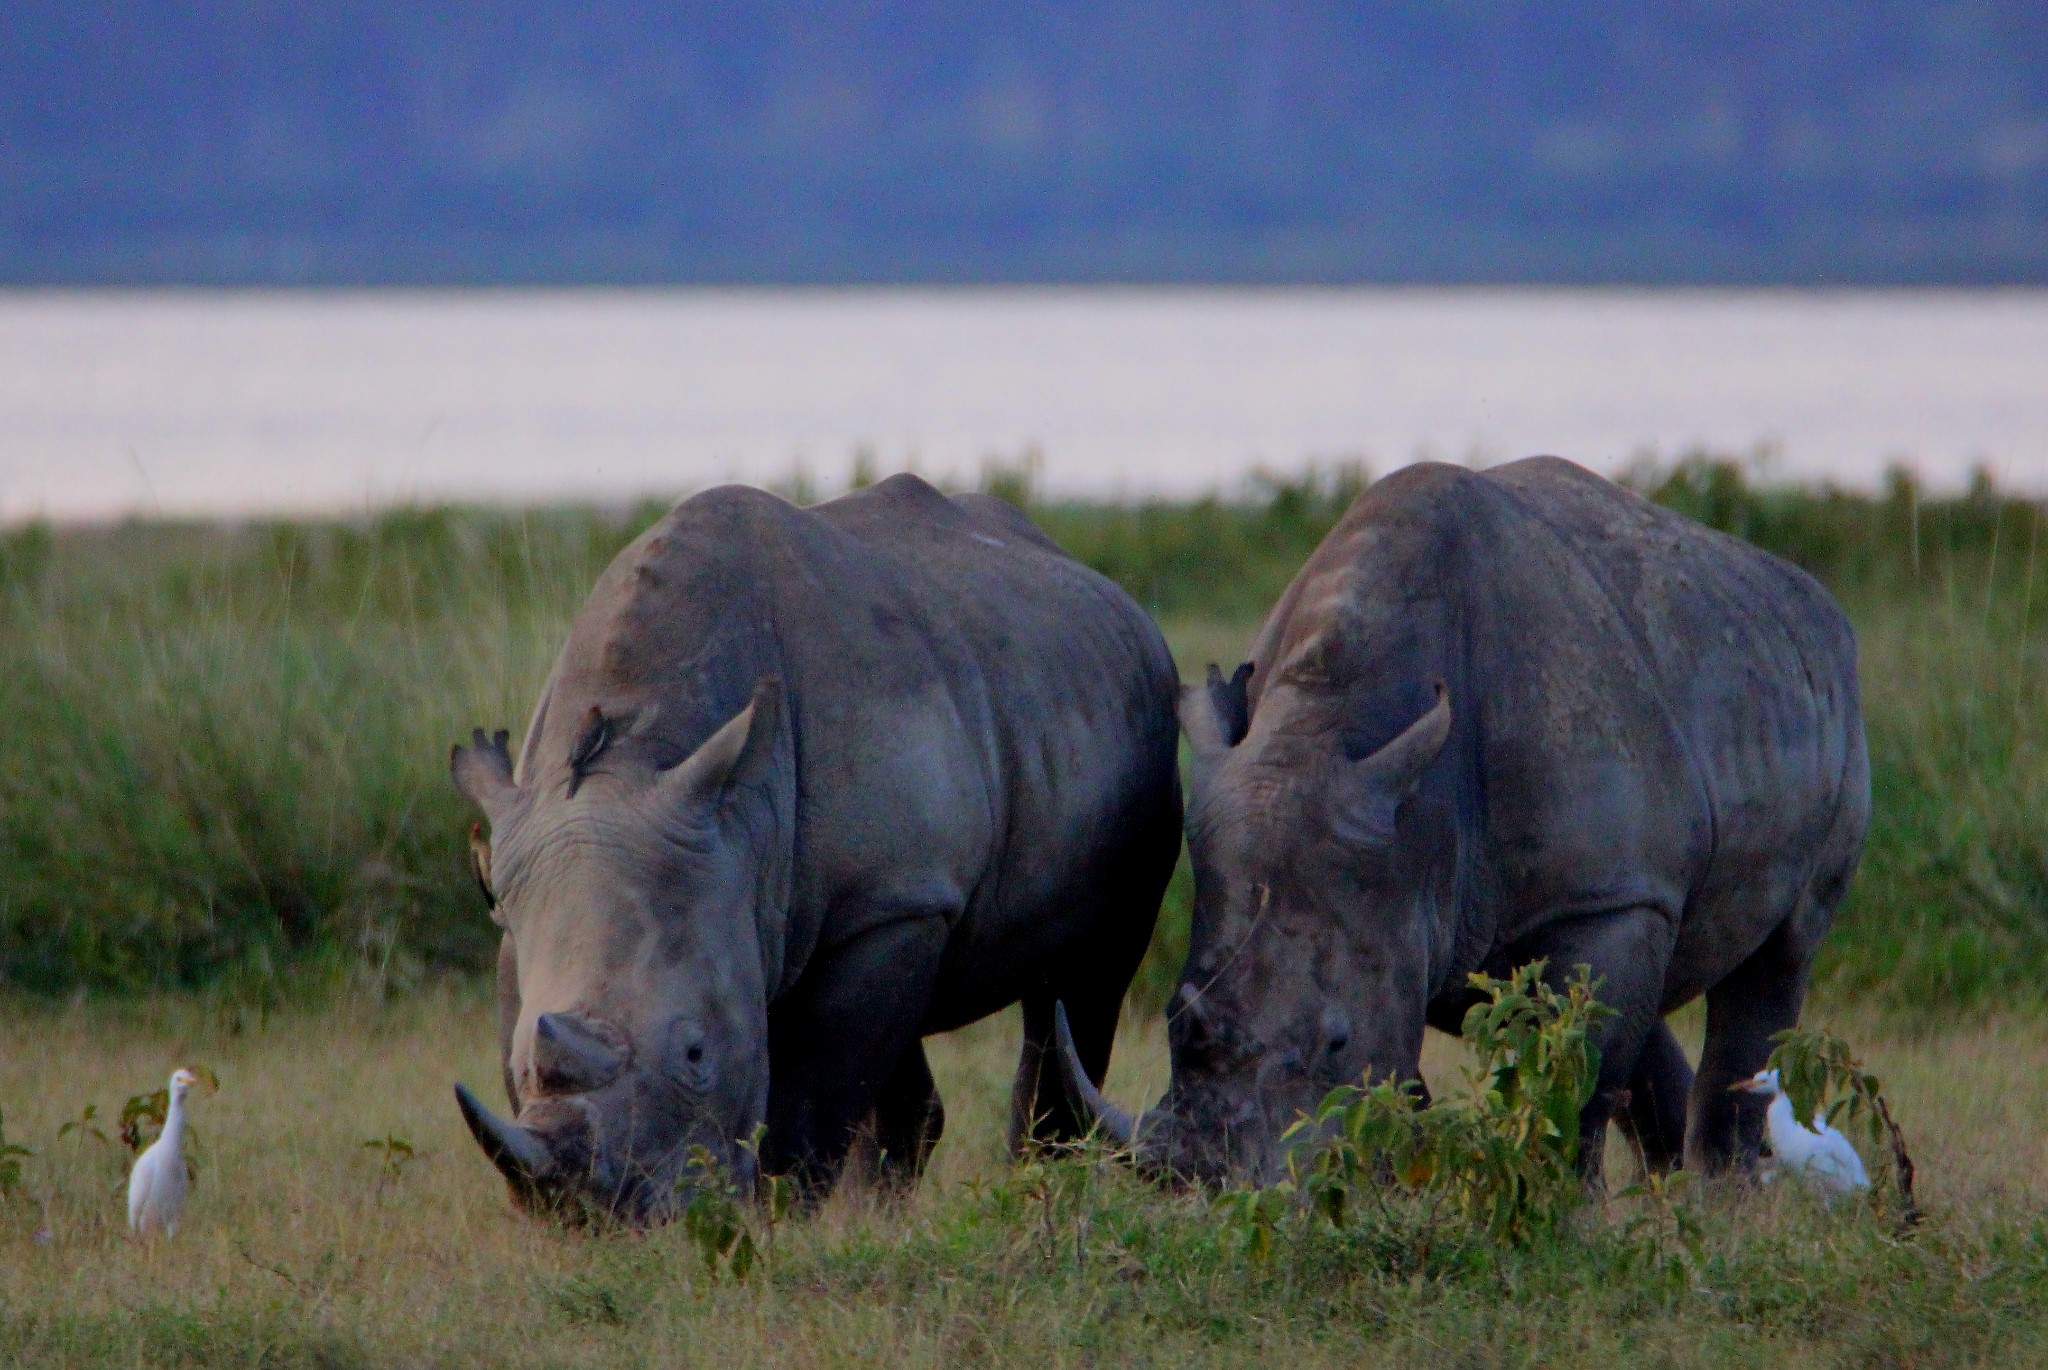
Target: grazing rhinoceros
804,786
1498,717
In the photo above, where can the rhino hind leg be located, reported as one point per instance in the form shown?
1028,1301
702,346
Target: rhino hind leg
1654,1119
1760,998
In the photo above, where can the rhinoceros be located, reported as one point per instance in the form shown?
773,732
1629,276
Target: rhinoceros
1499,717
804,786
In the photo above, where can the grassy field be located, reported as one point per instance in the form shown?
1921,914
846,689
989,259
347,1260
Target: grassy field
226,835
301,1249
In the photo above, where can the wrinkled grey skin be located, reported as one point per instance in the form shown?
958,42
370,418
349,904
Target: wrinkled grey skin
1498,717
805,786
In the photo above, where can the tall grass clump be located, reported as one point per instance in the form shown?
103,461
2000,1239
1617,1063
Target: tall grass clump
223,748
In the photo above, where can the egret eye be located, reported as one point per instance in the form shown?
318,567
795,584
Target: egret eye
695,1053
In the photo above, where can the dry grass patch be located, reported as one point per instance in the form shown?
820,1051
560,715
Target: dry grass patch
302,1246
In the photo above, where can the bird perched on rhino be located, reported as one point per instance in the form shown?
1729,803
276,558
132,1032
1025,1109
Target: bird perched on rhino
1818,1154
159,1183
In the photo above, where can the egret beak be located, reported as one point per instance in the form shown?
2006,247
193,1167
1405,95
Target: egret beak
1756,1084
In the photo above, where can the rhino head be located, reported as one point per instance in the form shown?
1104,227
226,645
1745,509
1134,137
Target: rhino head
1309,956
633,976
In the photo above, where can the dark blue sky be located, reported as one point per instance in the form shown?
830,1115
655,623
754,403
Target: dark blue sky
1839,141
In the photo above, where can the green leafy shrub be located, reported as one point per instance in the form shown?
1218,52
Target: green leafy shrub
1504,1158
719,1220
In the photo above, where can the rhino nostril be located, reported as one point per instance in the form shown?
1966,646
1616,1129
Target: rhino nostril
1336,1027
689,1057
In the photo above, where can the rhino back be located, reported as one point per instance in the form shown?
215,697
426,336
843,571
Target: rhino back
1082,737
971,715
1756,666
1645,712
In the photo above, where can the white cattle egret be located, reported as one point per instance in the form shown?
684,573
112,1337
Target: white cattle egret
1818,1153
157,1185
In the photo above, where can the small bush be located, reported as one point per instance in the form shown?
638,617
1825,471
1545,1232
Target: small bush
1503,1159
11,1156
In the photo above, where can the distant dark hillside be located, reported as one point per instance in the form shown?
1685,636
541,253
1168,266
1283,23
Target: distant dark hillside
366,140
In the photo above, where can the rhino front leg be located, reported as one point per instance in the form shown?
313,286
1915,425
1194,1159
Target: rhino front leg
1655,1117
1628,952
838,1039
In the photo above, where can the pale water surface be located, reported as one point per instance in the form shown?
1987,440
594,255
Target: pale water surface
113,403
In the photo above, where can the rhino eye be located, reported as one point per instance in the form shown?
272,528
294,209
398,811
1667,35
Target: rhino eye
691,1061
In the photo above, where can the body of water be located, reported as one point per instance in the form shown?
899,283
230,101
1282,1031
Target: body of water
232,403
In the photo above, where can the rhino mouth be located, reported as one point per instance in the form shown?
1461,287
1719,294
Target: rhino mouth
549,1165
1150,1139
553,1167
1171,1142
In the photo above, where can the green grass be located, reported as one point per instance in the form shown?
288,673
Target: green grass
222,761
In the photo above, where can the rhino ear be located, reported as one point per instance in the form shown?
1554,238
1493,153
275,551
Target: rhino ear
737,749
1369,799
1215,715
482,771
1232,701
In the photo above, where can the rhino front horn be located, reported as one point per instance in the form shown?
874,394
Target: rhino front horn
519,1155
1088,1101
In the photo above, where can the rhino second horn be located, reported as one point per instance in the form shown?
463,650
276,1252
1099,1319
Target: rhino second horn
1095,1109
519,1155
570,1054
